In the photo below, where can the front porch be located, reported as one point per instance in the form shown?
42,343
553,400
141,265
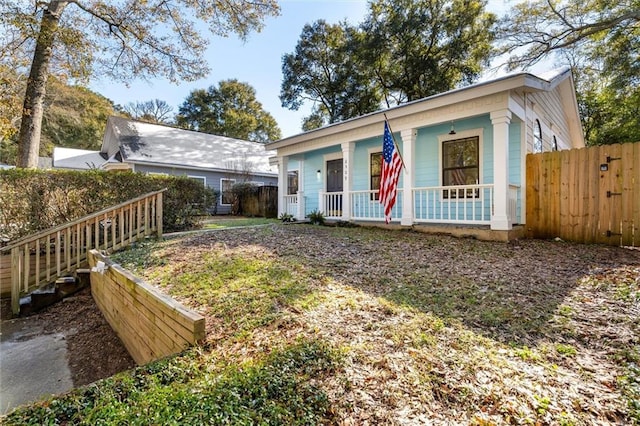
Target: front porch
463,205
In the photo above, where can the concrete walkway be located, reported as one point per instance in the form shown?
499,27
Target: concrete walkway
32,365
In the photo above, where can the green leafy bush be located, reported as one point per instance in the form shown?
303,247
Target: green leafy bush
34,200
316,217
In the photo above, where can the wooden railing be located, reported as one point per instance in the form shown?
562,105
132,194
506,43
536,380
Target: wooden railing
39,259
463,204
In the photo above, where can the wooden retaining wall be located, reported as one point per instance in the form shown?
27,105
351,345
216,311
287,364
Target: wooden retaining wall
150,324
587,195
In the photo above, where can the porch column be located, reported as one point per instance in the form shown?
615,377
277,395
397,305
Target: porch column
408,150
500,219
347,162
283,182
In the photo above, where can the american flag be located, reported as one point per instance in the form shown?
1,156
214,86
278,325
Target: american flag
459,177
391,167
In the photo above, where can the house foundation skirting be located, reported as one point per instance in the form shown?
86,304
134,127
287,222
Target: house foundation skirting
484,233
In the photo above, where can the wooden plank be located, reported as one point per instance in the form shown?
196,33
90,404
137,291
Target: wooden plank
159,230
604,206
67,247
586,173
147,217
162,325
626,197
591,197
577,170
154,342
565,194
26,263
614,189
636,195
132,341
37,265
158,336
15,280
532,194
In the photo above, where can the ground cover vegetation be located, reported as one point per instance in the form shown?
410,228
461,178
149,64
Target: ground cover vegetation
330,325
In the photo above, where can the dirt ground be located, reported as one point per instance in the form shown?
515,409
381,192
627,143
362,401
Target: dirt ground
95,350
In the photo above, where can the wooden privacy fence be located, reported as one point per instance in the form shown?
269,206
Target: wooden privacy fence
151,325
262,202
40,259
587,195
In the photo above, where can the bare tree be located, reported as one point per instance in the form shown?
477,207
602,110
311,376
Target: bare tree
152,111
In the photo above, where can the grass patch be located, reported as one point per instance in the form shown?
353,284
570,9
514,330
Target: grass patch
278,390
237,222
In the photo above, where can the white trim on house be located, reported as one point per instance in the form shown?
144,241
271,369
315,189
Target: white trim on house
195,168
457,104
202,178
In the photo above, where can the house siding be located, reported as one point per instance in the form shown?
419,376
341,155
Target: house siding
212,179
546,107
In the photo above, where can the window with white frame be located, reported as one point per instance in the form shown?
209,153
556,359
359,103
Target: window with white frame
226,185
537,137
292,182
460,165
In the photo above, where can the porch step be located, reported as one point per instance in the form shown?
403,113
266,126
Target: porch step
54,292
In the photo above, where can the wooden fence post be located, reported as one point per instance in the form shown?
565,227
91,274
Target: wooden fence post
159,215
15,280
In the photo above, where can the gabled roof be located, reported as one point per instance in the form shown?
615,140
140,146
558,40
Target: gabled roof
523,80
140,142
78,159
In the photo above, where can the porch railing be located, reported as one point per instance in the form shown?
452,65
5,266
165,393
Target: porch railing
290,204
41,258
365,206
331,204
468,204
513,203
463,204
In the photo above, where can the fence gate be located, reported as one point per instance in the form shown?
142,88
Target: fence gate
587,195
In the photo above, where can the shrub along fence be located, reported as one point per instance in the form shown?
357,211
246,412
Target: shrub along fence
36,200
587,195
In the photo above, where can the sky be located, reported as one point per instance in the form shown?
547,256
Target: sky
256,61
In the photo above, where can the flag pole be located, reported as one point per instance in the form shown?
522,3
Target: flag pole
393,138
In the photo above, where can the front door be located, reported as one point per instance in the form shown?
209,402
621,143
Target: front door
333,202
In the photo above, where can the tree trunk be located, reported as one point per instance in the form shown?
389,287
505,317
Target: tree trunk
32,111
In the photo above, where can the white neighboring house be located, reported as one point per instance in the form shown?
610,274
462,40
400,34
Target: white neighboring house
218,161
77,159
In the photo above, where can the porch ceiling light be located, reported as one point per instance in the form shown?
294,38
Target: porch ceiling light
452,131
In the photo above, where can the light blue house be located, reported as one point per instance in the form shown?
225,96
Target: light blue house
464,150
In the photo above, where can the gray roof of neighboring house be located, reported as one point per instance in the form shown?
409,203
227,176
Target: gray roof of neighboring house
78,159
156,144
